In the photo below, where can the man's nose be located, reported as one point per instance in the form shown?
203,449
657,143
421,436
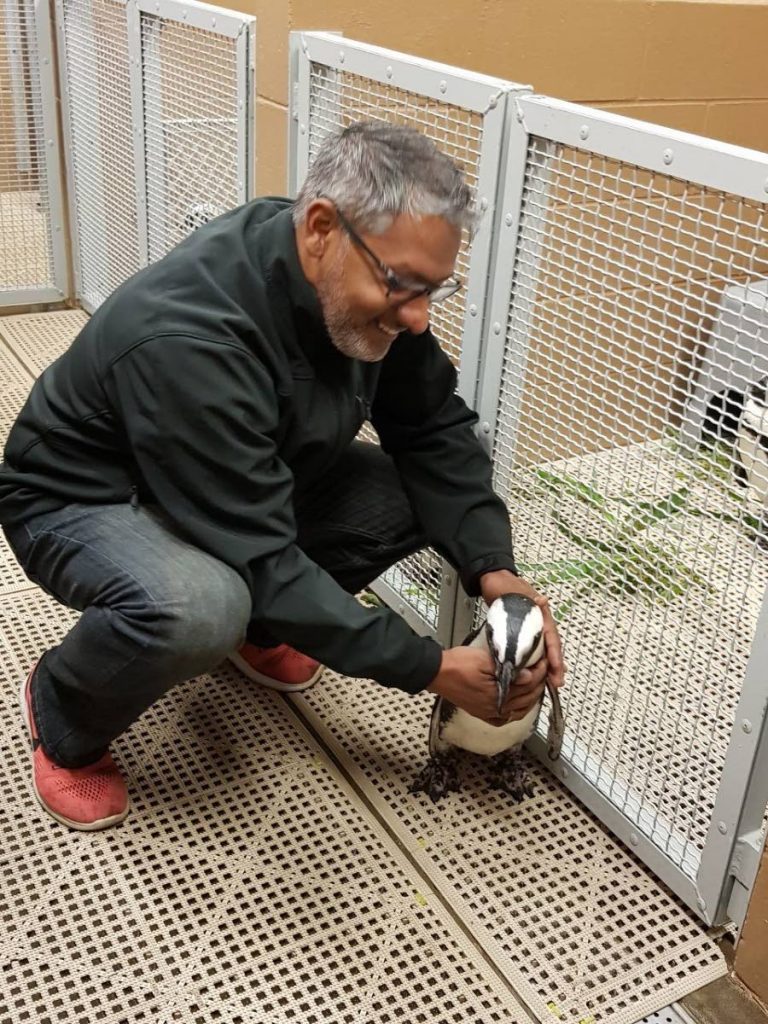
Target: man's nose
414,314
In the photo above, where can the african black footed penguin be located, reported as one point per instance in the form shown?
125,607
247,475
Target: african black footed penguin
513,632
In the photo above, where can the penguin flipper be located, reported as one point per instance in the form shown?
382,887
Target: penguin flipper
556,730
441,712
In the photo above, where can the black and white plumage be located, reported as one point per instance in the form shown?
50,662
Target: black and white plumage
513,633
752,449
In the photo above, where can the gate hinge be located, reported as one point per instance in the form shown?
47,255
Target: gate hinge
744,867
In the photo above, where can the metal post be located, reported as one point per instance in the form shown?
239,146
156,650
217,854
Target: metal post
133,17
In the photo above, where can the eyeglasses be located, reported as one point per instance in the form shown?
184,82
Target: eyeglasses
400,286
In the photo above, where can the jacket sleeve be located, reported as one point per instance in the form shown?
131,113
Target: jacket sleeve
200,418
429,431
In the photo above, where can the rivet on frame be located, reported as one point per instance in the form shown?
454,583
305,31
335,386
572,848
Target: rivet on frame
497,328
668,156
722,828
486,428
584,132
746,725
483,203
492,102
341,57
473,310
443,86
389,71
509,220
701,903
634,839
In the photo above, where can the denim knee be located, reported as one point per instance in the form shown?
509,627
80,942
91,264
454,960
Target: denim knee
200,619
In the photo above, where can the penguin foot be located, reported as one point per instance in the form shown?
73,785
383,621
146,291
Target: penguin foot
509,774
438,777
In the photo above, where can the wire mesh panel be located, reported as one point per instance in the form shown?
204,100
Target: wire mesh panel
159,105
653,550
339,82
96,81
197,117
31,261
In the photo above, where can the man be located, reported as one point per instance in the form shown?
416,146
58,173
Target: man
186,474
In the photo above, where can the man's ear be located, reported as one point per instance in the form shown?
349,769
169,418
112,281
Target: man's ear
319,223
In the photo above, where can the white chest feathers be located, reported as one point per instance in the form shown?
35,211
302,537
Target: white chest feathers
479,737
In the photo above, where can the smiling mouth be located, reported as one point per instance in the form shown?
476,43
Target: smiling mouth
386,330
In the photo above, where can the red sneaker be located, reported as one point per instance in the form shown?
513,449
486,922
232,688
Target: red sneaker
88,798
280,668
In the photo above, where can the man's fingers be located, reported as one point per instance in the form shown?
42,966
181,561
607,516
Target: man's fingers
532,676
523,702
554,651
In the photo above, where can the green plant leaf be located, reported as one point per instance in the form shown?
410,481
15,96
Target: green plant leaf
562,483
564,571
649,513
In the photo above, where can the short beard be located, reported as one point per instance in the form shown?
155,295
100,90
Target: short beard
345,335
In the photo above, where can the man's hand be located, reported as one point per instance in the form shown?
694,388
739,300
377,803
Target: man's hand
493,585
467,679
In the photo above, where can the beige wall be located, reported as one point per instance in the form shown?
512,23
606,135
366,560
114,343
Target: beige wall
752,951
690,64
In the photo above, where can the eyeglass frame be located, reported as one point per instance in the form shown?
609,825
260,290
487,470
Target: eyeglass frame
395,283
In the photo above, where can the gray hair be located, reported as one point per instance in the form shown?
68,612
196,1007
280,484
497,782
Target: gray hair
373,172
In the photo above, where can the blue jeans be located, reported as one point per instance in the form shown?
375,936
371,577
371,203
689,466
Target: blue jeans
156,610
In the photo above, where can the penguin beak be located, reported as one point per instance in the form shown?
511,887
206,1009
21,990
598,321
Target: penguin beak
505,676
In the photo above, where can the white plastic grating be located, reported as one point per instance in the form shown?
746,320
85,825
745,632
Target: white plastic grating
652,552
249,883
15,384
338,99
191,128
96,69
36,339
26,259
579,929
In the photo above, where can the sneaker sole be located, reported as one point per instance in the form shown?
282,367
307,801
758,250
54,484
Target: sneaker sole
80,826
268,681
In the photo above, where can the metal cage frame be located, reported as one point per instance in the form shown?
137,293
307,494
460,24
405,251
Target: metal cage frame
730,858
188,13
47,140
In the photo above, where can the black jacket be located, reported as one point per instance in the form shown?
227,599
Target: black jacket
207,383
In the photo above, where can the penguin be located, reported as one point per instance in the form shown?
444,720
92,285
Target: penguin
513,633
752,450
721,418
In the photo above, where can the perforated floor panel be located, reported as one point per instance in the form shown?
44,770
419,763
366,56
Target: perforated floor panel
576,925
249,882
36,339
252,882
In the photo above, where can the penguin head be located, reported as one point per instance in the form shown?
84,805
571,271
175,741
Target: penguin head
514,631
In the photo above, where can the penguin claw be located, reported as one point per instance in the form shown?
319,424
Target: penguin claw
510,776
437,778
